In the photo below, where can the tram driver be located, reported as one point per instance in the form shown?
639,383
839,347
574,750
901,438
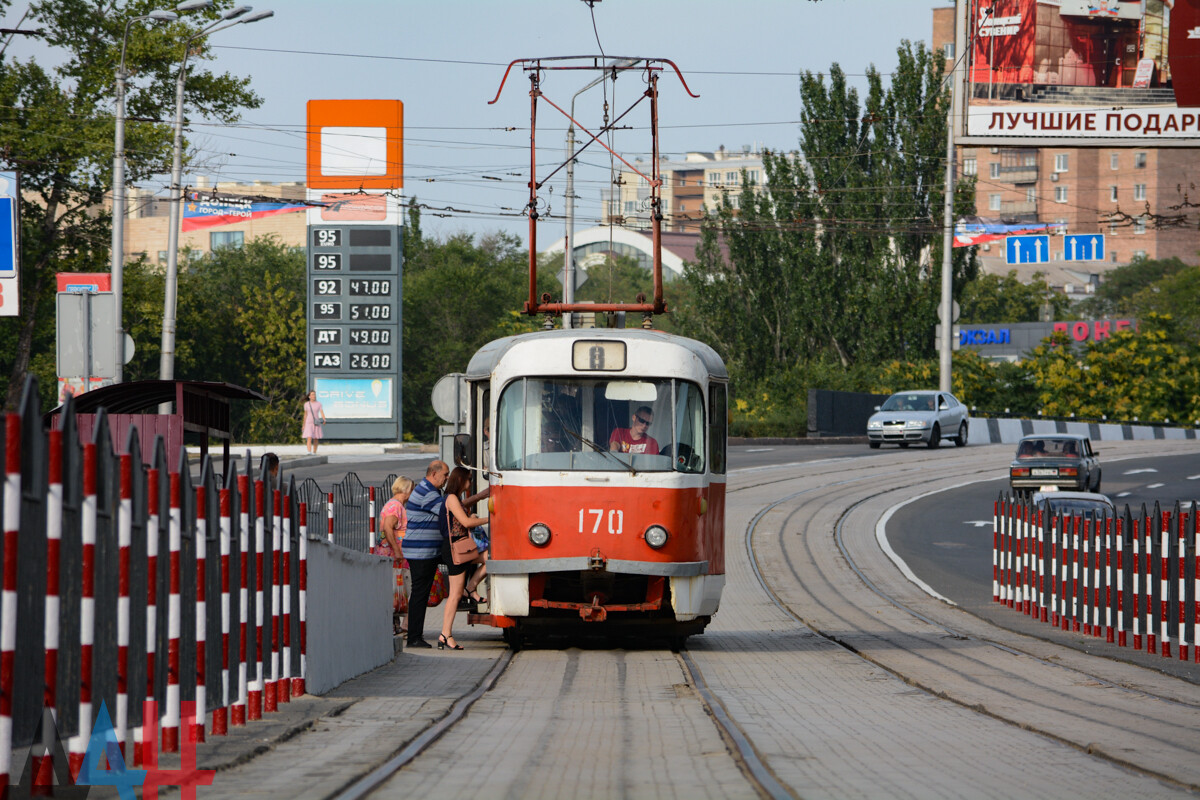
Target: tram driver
636,438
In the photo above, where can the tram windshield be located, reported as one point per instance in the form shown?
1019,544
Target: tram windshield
567,424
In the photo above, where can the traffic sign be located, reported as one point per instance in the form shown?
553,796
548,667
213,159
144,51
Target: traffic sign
1083,247
10,227
1028,249
581,276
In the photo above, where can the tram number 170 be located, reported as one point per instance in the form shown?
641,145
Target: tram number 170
594,518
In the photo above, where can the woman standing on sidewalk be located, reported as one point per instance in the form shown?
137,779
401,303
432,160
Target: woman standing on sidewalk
393,524
314,418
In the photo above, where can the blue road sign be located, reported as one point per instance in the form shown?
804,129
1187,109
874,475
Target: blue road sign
1028,249
8,238
1083,247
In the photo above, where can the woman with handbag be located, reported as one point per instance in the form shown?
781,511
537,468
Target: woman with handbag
459,551
393,523
314,418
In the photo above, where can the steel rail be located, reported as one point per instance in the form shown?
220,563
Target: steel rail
915,683
376,777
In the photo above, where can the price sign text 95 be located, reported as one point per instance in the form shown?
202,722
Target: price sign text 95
327,261
327,237
327,310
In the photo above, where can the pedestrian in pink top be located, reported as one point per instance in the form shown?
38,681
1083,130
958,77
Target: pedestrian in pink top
314,418
393,523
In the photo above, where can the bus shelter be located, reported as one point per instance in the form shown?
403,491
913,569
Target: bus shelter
200,407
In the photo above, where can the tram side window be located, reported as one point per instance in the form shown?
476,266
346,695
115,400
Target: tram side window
689,417
718,421
510,423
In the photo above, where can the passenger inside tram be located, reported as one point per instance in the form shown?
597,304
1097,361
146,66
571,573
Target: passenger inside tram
571,424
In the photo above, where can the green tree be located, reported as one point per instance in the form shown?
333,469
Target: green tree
1176,295
991,298
458,295
272,323
1150,375
237,312
621,280
1121,284
839,255
58,131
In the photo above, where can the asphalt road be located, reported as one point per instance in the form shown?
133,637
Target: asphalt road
946,539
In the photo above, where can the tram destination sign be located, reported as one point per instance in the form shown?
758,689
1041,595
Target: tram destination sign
353,315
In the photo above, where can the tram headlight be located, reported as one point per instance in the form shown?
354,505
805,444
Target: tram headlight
539,534
656,536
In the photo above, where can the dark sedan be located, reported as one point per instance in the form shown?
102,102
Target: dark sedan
1055,461
1069,504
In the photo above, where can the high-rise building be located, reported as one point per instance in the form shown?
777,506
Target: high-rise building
691,186
1140,198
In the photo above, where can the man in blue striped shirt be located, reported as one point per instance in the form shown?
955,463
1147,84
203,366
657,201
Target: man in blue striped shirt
423,545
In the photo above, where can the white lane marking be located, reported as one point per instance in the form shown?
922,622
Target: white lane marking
1139,471
1156,486
979,523
1124,494
886,547
881,529
759,450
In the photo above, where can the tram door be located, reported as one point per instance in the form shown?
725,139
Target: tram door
481,432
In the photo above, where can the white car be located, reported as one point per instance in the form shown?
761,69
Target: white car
918,417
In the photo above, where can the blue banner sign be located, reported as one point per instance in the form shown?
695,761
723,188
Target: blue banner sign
355,398
984,336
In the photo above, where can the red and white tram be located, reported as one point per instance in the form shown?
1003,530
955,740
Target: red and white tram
588,524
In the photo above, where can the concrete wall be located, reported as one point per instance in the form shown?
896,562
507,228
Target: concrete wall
833,413
1010,431
349,614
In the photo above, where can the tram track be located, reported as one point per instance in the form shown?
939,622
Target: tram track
762,782
804,546
941,659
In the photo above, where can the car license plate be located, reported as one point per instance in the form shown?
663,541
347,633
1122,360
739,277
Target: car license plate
1044,471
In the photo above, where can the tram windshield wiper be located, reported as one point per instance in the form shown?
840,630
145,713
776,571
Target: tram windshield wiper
600,449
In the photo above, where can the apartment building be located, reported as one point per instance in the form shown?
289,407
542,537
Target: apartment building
1138,197
146,224
690,186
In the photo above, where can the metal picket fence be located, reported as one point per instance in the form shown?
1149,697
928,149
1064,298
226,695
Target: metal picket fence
113,555
1131,579
349,513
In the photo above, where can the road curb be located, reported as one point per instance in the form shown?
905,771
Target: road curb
735,441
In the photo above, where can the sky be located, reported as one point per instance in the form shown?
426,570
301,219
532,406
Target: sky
445,60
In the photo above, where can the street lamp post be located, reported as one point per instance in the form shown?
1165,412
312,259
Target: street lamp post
569,260
118,203
167,358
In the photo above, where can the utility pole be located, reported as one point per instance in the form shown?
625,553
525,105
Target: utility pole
953,118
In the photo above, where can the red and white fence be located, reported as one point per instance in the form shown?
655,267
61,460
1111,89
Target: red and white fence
83,525
1130,579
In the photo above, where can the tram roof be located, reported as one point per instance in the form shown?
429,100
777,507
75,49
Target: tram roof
485,360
